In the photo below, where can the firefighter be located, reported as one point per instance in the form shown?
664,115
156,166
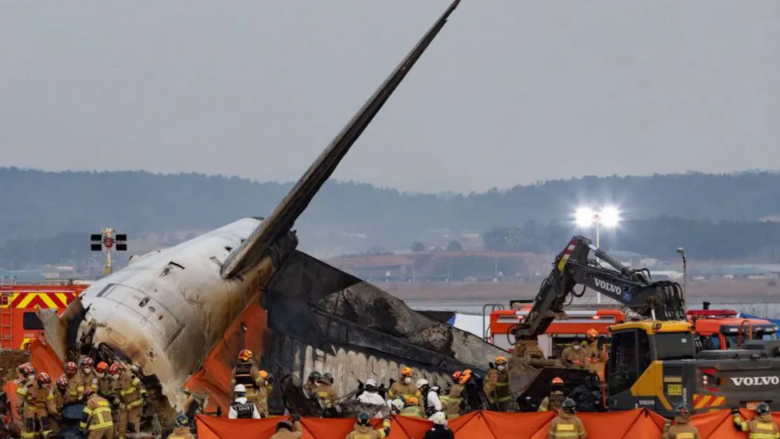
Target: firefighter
762,427
55,404
567,425
87,374
363,428
556,397
96,420
131,395
36,399
242,408
247,374
285,429
75,385
412,408
265,388
574,356
452,401
26,376
327,395
595,355
106,383
182,429
496,385
404,388
312,383
439,430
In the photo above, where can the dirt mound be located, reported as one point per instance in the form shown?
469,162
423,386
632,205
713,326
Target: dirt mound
10,359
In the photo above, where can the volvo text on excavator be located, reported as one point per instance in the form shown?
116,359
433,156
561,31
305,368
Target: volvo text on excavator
653,361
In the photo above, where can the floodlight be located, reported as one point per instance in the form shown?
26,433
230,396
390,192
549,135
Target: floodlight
585,216
609,216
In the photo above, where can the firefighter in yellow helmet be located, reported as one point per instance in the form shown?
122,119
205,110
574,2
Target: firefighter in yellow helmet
405,388
248,374
96,420
412,408
496,386
762,427
595,353
363,428
567,425
555,400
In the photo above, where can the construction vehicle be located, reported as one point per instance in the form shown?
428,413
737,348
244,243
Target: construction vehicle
20,301
654,361
721,329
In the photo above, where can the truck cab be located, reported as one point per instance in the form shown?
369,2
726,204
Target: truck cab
721,329
655,365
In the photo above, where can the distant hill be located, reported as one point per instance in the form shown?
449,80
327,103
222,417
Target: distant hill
37,203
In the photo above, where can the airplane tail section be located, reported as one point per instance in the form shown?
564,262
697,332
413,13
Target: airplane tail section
287,212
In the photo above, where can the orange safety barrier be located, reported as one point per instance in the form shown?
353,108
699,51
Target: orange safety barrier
632,424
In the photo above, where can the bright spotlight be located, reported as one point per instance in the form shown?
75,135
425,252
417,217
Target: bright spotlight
584,217
609,216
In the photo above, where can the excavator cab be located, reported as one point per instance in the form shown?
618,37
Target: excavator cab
646,366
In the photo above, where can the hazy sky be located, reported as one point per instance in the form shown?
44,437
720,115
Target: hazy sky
510,92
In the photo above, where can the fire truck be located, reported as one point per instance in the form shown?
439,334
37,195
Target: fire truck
19,302
561,332
721,329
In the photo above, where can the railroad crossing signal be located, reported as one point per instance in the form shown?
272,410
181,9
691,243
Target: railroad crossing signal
109,241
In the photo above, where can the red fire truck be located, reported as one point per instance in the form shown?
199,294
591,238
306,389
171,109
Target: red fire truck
560,334
19,302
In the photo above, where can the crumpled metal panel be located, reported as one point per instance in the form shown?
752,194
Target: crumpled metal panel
321,306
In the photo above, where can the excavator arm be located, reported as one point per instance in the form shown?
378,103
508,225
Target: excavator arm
661,300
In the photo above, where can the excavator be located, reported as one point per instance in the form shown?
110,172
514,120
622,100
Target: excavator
654,359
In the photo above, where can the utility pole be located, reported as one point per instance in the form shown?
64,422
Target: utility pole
681,251
108,240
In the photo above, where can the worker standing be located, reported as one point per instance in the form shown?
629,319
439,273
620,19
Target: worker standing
762,427
567,425
36,399
327,395
26,376
75,385
439,430
404,388
363,428
595,353
59,394
371,396
496,385
182,429
242,408
431,401
452,401
131,394
87,374
265,387
682,428
285,429
555,400
248,374
574,356
96,420
312,383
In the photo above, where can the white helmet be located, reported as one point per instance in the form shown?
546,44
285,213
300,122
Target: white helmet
240,388
370,382
422,382
439,418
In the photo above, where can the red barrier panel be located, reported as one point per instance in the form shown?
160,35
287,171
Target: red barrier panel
632,424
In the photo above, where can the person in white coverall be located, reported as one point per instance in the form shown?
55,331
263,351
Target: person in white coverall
371,396
431,394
